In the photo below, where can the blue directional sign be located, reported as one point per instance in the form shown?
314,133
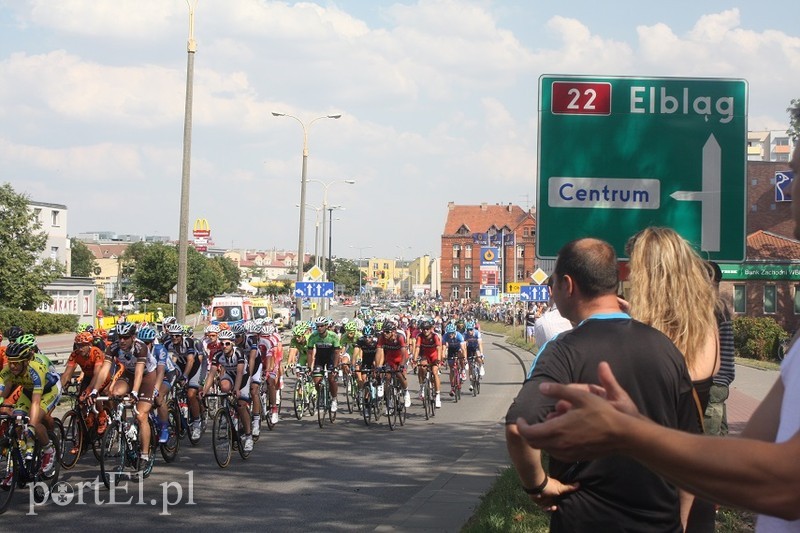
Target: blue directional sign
534,293
314,289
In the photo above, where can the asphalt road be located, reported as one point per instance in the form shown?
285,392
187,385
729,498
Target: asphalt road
343,477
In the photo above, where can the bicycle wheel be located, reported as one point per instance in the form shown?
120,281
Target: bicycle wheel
474,379
402,411
221,435
366,403
169,449
425,404
322,401
112,453
72,442
8,474
390,403
298,399
203,423
348,393
311,398
244,454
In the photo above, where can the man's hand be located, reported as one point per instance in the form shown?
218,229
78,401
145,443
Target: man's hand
553,491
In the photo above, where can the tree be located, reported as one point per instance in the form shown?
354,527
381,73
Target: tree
155,270
794,119
22,274
345,274
205,278
230,272
82,259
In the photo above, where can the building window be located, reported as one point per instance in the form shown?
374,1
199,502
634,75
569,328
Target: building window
455,292
456,251
386,266
520,274
54,217
456,270
467,292
770,305
468,251
54,252
739,298
467,272
525,232
797,299
520,251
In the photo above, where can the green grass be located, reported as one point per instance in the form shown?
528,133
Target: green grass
514,335
755,363
506,508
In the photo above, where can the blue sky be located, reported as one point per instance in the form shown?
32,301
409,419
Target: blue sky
438,102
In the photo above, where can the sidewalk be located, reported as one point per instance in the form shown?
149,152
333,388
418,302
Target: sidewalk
748,389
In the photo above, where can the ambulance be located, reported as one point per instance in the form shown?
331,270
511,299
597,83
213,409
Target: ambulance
262,308
231,309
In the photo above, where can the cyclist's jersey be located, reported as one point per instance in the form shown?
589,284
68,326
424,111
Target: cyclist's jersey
180,353
429,346
162,356
349,343
210,348
326,346
453,342
246,347
269,346
369,347
129,359
86,362
394,350
36,378
302,349
229,363
473,342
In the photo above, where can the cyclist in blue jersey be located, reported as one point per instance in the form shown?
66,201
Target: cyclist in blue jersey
456,349
474,344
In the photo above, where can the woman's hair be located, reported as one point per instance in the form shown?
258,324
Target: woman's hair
671,289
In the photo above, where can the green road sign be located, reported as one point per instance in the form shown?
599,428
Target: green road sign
619,154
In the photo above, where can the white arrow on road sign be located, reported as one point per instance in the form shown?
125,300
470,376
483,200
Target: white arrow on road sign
710,197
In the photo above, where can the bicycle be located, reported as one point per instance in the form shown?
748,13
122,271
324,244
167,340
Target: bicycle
17,466
369,399
226,430
180,399
394,397
350,384
80,425
121,447
474,375
266,401
428,393
456,377
324,398
304,395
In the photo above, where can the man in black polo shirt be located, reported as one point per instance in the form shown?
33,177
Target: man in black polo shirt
613,493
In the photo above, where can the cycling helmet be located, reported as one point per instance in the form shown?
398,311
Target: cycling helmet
267,329
238,329
175,329
388,327
350,327
322,321
450,328
84,337
14,332
345,320
369,331
125,328
146,334
28,339
226,335
211,328
169,320
253,327
84,327
16,352
359,323
470,325
425,324
300,329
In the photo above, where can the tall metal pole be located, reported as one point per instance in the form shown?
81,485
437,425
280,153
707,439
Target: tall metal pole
330,240
183,230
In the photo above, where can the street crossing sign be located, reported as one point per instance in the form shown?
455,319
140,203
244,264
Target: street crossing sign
534,293
619,154
314,289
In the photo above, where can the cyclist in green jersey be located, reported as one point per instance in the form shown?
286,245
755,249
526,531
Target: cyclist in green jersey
323,352
298,345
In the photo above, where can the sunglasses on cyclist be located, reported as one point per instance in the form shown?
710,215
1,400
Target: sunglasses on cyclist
226,343
124,337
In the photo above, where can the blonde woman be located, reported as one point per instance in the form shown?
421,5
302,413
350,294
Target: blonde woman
672,291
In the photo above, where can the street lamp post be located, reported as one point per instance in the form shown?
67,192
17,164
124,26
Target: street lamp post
330,237
326,186
303,181
183,224
360,260
316,231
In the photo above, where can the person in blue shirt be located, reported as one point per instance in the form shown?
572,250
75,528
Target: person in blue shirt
456,348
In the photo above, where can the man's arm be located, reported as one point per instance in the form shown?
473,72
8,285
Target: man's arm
761,476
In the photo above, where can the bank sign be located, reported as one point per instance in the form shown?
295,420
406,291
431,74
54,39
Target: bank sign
619,154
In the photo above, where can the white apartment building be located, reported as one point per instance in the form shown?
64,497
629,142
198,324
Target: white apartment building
769,145
53,218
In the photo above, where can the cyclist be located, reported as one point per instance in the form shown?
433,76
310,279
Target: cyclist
323,351
182,350
474,343
298,345
166,374
348,342
270,349
392,352
456,349
244,341
90,359
428,351
40,394
139,376
230,364
364,353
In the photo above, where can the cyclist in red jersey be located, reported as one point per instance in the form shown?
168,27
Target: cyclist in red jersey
428,351
393,352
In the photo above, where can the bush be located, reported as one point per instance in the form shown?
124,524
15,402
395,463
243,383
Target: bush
758,338
36,322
